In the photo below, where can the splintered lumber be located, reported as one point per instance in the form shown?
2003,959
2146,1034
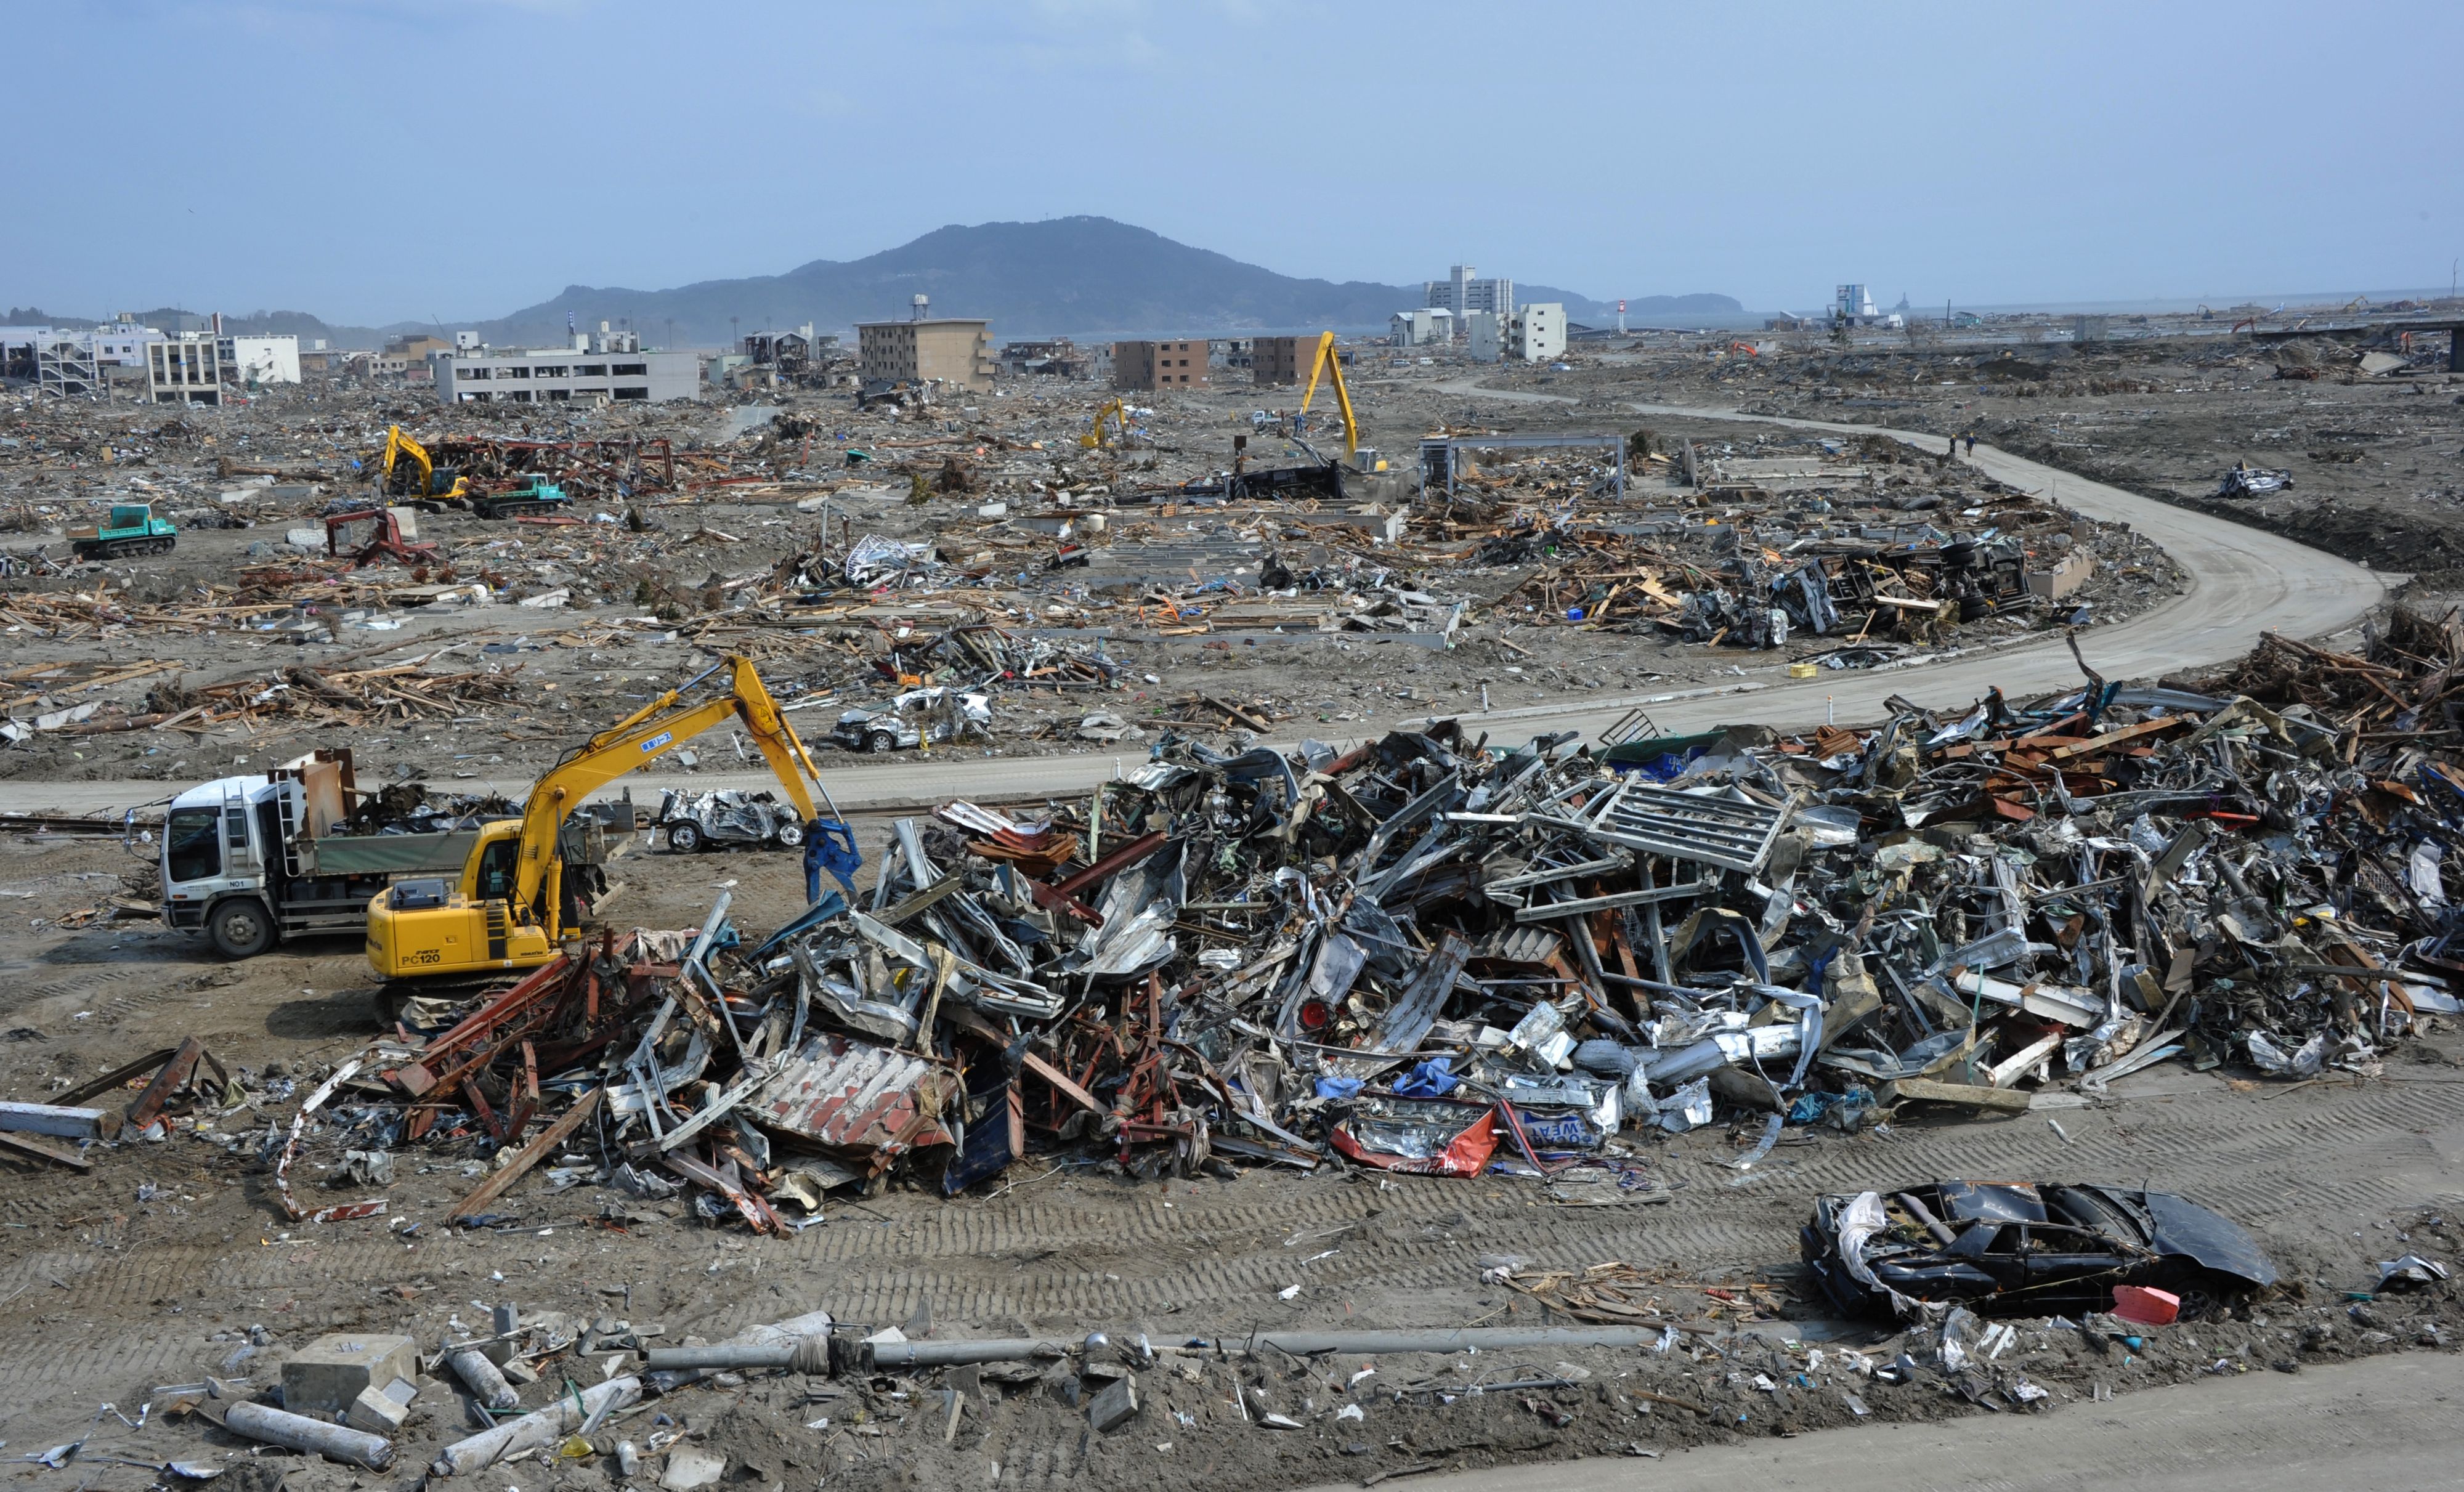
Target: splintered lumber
529,1155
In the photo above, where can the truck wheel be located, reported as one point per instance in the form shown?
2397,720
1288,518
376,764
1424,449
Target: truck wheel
240,928
790,836
880,742
684,837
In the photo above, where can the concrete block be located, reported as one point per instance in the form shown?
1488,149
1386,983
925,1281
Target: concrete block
327,1375
2068,575
689,1467
1115,1407
377,1412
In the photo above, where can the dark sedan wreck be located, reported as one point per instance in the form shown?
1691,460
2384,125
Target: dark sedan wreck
2015,1248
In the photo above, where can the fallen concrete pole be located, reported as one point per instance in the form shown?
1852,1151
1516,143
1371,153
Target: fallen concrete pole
808,1354
488,1384
774,1346
531,1432
300,1433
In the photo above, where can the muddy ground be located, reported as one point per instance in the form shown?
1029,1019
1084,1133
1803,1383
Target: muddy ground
170,1261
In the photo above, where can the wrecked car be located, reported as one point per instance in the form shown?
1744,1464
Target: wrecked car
693,821
905,721
2021,1248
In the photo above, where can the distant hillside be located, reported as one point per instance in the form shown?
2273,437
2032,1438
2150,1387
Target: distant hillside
1074,276
1087,277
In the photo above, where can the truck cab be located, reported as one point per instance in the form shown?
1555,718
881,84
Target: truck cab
252,861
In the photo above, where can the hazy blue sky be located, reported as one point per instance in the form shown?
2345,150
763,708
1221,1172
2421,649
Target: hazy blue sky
375,160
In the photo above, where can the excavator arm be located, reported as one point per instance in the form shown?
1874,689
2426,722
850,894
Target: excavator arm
1115,411
417,930
1327,364
640,738
399,446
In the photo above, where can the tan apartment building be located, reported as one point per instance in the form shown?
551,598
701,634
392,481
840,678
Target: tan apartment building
1281,360
950,349
1159,364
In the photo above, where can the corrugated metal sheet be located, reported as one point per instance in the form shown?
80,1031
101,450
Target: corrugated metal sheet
855,1097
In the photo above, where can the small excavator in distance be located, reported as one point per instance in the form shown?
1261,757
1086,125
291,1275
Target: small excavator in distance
409,472
507,910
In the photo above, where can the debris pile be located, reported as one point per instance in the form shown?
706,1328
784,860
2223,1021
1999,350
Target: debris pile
1430,956
1878,544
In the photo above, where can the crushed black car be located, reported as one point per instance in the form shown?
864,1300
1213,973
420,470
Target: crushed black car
2016,1248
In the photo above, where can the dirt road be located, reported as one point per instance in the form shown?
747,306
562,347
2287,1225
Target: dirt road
2388,1423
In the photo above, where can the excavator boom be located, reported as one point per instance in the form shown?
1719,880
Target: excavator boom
647,734
1330,366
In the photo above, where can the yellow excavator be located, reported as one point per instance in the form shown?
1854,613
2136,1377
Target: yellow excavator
1100,438
1327,364
418,478
508,910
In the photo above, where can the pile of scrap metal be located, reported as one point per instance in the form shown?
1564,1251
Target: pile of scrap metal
1889,581
2009,1246
992,654
1429,956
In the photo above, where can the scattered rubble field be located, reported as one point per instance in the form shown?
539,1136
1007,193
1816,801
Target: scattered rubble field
867,558
1397,1030
2376,452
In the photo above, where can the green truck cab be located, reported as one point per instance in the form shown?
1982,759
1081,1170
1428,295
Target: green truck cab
133,529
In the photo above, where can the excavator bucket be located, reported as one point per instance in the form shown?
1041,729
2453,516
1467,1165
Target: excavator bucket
831,845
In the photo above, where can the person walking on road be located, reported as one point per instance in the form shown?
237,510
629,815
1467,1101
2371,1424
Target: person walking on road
1971,444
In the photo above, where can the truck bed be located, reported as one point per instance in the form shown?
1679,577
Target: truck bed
388,854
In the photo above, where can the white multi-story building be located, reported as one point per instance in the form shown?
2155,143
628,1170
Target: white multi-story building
1852,306
121,342
487,376
1462,291
183,370
1537,332
1422,328
258,359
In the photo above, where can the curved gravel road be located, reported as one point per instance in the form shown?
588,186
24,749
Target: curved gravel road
2242,582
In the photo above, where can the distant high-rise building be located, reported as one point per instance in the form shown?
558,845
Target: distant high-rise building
1462,291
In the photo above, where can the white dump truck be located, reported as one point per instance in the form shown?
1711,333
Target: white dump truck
252,861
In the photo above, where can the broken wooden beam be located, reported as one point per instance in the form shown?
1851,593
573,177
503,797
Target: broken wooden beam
529,1155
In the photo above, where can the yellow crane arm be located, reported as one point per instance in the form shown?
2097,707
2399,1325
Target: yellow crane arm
1327,364
398,444
643,736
